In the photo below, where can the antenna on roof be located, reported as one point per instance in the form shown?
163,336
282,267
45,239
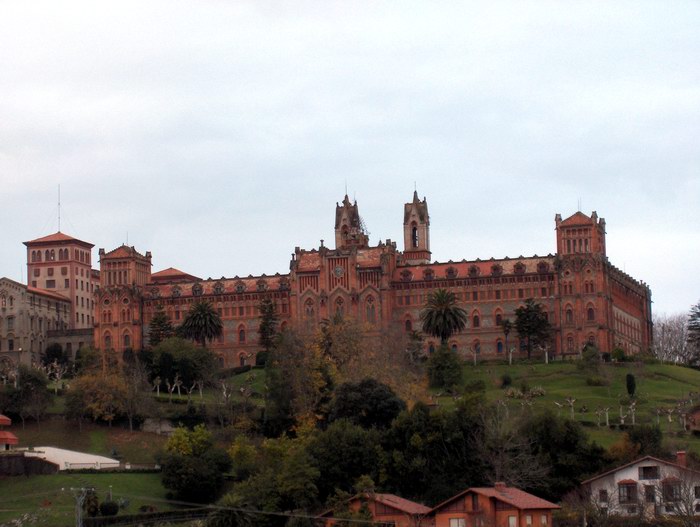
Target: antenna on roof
59,207
127,237
415,187
346,186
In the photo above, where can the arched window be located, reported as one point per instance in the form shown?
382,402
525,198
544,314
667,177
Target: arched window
475,321
371,310
47,255
431,348
108,341
33,256
476,347
127,341
590,313
499,347
414,236
339,307
454,348
241,335
499,319
569,343
408,326
53,255
569,315
241,359
309,308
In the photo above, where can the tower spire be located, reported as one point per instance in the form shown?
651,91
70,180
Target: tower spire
59,207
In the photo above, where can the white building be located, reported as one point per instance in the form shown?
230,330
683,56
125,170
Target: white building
647,487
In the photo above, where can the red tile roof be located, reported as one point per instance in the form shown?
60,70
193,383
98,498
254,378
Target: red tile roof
57,237
5,421
579,218
123,251
172,274
510,495
50,294
402,504
8,438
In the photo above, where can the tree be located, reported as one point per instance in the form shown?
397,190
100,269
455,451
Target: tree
442,317
160,328
444,369
532,324
100,397
175,356
693,355
268,324
137,399
31,397
368,403
54,353
631,384
201,323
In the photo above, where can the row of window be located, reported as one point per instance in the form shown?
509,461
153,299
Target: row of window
63,254
671,491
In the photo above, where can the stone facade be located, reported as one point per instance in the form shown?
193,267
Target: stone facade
27,315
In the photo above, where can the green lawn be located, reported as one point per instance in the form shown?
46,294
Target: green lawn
658,386
50,498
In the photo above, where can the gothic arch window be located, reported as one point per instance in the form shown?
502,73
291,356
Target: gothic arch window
371,310
519,268
476,346
241,335
570,343
499,346
499,318
428,274
240,287
473,271
242,359
569,315
431,348
309,308
476,320
590,313
127,340
496,270
591,340
414,235
454,348
108,341
408,325
451,273
339,307
218,288
542,267
261,285
197,289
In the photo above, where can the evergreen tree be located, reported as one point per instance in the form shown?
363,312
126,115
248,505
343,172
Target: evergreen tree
160,328
694,335
267,329
532,324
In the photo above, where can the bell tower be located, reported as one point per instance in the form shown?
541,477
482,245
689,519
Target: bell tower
349,230
416,231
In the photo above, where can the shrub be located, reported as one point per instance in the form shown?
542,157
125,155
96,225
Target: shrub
618,354
631,384
261,358
506,380
444,369
109,508
596,380
475,386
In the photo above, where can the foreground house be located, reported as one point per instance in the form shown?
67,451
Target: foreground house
647,487
384,508
498,506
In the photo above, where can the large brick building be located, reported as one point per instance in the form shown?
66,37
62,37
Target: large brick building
587,299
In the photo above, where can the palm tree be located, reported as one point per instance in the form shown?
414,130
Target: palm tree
442,317
202,323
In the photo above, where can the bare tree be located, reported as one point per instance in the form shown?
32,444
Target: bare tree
671,338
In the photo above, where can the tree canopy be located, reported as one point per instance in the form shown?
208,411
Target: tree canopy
442,317
367,403
202,323
160,328
532,324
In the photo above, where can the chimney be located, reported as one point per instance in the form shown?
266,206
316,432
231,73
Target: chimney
680,458
500,486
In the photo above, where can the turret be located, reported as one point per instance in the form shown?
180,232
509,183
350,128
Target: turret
416,231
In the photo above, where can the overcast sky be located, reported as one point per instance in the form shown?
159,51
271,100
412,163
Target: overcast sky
220,135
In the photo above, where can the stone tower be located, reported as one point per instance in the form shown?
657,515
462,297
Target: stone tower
416,231
349,231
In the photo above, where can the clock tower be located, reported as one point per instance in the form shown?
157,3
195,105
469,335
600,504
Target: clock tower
416,231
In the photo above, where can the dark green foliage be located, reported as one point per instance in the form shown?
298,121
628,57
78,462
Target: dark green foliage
596,380
201,323
191,478
87,359
532,325
444,369
475,386
649,439
367,403
91,504
694,335
431,455
160,328
618,354
268,324
109,508
631,384
342,453
261,358
31,398
442,317
506,380
178,356
561,445
54,352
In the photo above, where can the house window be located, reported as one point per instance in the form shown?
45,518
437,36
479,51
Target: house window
475,502
528,520
591,313
672,491
627,493
457,522
569,316
51,284
512,521
10,345
649,472
543,519
603,496
649,493
241,335
499,347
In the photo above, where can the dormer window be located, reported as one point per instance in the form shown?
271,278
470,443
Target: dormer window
451,273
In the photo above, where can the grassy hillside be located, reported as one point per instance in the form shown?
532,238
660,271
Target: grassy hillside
658,386
51,501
